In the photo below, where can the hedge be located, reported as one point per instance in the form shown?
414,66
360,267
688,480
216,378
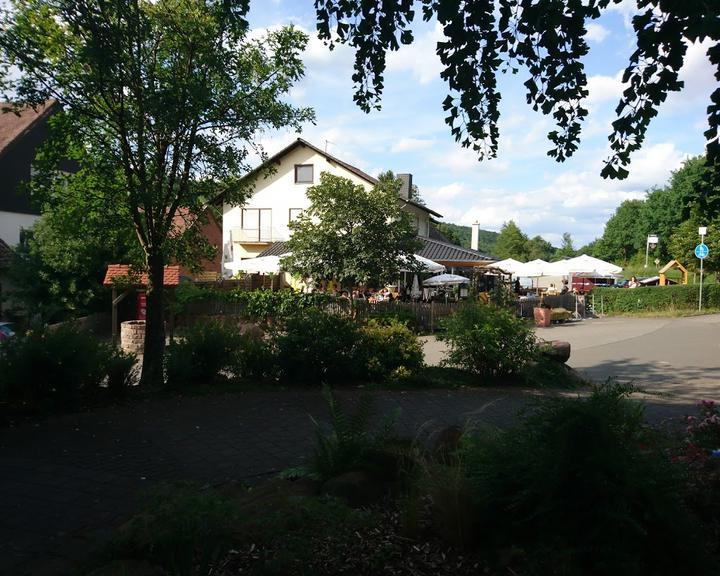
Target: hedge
655,298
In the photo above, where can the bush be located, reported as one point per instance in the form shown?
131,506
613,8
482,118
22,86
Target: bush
57,368
655,298
281,304
205,350
316,347
580,487
183,529
254,359
121,371
388,349
488,341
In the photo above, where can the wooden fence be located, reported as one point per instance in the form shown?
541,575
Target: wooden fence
425,315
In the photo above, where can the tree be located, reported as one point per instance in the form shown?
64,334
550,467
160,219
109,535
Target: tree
622,237
171,92
511,242
350,234
548,38
685,238
538,247
566,248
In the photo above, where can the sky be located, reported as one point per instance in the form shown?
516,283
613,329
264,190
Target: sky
522,184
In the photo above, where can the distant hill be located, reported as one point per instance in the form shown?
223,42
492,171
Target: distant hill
461,235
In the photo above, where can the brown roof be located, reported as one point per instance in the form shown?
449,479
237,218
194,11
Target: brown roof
332,159
446,252
123,271
5,253
14,124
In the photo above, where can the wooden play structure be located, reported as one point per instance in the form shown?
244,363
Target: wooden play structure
669,266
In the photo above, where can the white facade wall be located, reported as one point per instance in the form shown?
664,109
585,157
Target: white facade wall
12,222
278,194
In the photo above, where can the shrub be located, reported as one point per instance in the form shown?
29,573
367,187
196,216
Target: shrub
488,341
52,369
316,347
265,304
388,349
121,370
655,298
201,355
581,488
182,529
254,358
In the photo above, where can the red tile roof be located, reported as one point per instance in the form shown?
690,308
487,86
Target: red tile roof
13,126
171,278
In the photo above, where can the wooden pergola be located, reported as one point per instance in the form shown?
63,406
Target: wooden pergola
669,266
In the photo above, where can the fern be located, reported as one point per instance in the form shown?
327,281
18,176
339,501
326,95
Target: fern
345,446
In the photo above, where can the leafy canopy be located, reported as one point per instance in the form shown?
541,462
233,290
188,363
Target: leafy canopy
547,38
171,93
351,234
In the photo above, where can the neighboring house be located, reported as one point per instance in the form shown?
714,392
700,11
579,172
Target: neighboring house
260,226
20,136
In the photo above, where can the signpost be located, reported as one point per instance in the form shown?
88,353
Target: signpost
701,252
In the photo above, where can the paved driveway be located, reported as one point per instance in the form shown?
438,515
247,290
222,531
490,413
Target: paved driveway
676,357
65,479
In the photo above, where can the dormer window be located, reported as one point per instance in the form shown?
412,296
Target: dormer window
303,173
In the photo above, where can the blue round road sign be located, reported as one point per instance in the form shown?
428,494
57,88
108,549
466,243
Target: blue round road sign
701,251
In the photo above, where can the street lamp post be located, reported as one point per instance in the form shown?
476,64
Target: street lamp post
652,242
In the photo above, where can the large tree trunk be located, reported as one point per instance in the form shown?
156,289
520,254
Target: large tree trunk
152,367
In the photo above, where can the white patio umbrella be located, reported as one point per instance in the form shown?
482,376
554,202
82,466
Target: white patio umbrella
583,266
260,265
446,279
532,269
508,265
426,265
415,292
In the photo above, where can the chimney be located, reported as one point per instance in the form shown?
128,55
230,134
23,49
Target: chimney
475,238
406,188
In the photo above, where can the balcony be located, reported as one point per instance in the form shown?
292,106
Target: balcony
257,236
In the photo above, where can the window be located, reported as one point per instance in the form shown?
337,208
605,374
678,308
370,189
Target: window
293,214
257,224
303,173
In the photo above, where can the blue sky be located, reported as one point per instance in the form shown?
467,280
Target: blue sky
523,184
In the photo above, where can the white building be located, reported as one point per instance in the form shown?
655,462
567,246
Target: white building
251,229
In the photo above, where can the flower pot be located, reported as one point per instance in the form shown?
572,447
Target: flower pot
543,317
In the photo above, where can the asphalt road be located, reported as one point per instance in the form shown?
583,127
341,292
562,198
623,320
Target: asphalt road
677,359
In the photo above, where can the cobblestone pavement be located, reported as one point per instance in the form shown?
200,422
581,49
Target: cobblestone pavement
67,479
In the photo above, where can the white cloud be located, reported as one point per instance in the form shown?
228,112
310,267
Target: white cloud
603,89
419,58
457,159
411,144
596,33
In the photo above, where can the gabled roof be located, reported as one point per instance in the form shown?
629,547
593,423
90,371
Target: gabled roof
14,126
333,160
446,252
124,272
5,253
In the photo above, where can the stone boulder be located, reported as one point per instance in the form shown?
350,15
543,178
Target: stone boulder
556,350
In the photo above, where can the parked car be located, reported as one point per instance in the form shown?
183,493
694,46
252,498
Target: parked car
6,331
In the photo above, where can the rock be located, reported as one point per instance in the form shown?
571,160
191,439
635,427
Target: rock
557,350
357,488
